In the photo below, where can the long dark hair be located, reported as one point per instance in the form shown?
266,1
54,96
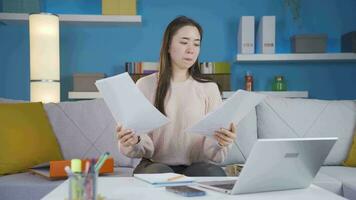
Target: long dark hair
165,69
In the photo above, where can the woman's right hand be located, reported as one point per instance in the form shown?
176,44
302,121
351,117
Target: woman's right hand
126,137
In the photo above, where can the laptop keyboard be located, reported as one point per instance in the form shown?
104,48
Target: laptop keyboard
224,186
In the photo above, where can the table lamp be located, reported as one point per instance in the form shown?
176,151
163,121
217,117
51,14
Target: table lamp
44,58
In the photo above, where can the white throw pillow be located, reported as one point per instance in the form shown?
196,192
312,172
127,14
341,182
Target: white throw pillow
86,129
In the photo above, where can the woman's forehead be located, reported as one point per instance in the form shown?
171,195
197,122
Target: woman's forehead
188,32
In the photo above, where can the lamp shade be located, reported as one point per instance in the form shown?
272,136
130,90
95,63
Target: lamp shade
44,56
45,91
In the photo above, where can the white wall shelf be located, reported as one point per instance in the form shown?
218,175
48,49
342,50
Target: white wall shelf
226,94
285,94
296,57
68,18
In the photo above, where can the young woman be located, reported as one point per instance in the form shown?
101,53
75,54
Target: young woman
180,92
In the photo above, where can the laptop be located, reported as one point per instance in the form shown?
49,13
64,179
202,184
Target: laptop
278,164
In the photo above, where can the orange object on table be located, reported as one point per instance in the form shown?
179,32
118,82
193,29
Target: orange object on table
55,170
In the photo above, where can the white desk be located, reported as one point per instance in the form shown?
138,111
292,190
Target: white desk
122,188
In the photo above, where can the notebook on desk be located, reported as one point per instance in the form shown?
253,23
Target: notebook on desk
165,179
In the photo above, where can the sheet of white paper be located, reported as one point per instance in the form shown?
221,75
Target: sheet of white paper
128,105
234,109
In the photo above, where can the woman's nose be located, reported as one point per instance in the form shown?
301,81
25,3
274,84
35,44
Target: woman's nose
190,49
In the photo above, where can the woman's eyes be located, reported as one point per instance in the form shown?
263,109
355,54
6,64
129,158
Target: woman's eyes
195,44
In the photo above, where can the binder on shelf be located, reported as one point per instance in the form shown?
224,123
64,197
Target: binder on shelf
266,35
246,35
54,170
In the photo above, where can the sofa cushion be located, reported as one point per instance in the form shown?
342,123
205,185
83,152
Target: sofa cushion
26,137
347,175
351,158
25,186
18,186
344,174
349,188
86,129
329,183
246,137
288,118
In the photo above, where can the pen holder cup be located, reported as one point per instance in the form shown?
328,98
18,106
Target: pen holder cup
83,187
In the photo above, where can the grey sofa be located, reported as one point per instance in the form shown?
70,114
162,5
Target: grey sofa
86,129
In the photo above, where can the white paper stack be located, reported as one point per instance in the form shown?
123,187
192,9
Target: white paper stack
266,35
234,109
246,35
128,105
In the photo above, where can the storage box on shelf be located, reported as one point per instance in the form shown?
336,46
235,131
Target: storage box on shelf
119,7
85,82
348,42
309,43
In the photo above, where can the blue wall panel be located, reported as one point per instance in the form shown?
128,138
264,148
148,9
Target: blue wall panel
105,48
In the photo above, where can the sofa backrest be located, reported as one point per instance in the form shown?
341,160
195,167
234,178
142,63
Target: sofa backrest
86,129
287,118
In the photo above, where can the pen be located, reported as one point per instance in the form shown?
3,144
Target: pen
101,161
68,171
175,177
87,166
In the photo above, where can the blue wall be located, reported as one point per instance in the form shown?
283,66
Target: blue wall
105,48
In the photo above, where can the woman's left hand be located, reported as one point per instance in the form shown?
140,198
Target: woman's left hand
225,136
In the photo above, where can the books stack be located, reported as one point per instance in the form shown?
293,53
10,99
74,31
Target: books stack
141,67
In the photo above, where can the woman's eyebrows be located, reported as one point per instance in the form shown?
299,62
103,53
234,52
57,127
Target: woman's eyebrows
188,38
